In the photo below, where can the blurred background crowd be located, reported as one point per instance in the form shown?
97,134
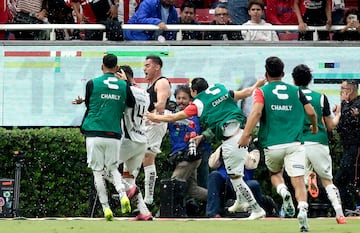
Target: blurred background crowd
114,13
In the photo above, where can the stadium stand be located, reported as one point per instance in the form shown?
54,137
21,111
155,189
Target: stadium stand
205,15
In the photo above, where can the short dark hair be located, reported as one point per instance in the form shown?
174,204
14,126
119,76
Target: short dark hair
302,75
256,2
274,66
156,59
182,88
351,11
199,84
128,71
110,61
187,4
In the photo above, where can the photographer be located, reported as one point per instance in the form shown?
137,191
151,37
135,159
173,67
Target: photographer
351,31
183,156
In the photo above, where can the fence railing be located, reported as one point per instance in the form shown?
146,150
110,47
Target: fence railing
170,27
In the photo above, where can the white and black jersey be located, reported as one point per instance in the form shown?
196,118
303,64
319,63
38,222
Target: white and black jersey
133,121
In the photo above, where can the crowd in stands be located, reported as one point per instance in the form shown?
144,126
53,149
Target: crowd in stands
114,13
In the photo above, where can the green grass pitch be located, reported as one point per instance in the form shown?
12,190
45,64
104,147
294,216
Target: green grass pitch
119,225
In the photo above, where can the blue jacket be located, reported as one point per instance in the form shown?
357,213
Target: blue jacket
149,12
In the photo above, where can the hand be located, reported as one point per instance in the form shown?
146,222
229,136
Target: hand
198,139
121,75
344,95
244,141
354,111
302,27
152,117
113,12
41,15
314,130
337,109
162,26
78,100
260,82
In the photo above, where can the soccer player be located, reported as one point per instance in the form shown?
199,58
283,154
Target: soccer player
133,144
316,145
159,91
216,107
280,109
105,99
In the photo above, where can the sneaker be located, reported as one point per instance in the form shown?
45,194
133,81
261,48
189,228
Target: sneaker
341,220
132,191
257,214
288,205
312,185
125,205
143,217
239,207
108,214
302,217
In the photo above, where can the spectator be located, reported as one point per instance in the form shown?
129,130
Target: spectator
256,10
5,17
337,14
61,13
316,146
85,14
181,134
83,11
126,11
351,31
349,131
220,190
105,12
187,16
222,18
216,107
280,107
31,12
156,12
313,13
238,10
280,12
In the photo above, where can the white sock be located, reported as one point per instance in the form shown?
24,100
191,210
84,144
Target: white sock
140,204
100,186
118,182
150,178
243,192
282,190
334,197
129,182
303,206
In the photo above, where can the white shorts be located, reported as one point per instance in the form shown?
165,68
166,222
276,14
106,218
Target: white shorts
102,153
132,154
234,157
291,157
154,135
318,159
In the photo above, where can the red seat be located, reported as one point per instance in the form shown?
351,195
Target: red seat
288,36
178,3
205,16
